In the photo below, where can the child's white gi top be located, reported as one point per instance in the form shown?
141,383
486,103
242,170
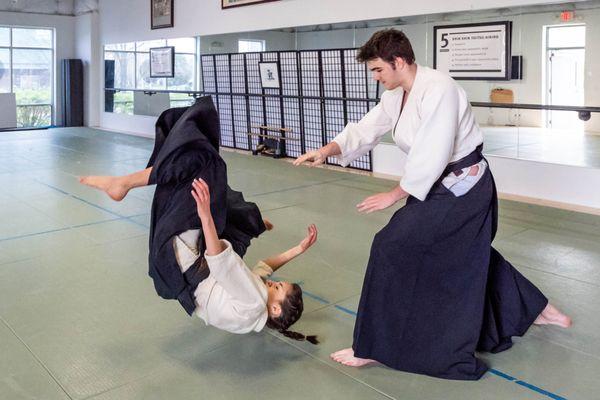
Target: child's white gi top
233,297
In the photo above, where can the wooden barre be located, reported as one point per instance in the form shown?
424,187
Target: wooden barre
272,128
274,137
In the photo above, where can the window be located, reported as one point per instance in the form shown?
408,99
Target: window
27,69
250,45
5,71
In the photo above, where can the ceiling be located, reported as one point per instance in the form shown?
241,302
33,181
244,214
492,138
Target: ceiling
52,7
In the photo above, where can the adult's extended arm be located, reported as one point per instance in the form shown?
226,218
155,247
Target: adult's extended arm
357,138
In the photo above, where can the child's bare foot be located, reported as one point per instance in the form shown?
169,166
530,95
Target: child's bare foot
268,224
346,357
552,316
111,185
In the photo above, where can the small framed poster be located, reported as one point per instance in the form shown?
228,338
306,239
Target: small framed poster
269,75
162,62
473,51
161,14
238,3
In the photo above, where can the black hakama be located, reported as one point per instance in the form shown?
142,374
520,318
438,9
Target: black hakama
187,147
435,291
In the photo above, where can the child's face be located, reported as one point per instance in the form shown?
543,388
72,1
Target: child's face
277,291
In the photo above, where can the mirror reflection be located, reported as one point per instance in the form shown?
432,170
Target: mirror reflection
552,54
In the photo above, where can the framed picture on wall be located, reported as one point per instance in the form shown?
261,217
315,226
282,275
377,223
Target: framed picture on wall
480,51
238,3
161,14
269,75
162,62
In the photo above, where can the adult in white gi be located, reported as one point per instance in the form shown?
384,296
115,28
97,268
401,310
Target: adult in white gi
435,291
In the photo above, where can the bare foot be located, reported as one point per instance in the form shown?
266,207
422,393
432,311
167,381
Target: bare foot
346,357
111,185
268,224
552,316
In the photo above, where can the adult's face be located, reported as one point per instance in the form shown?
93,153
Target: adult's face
389,75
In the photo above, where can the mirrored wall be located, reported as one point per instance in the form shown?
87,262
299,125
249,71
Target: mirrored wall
552,57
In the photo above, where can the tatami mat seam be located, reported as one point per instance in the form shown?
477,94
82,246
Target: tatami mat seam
75,227
555,274
36,358
334,367
158,370
295,188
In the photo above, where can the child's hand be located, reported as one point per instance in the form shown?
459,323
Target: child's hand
310,238
201,194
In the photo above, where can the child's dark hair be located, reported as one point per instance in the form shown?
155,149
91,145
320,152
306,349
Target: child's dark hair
291,311
387,44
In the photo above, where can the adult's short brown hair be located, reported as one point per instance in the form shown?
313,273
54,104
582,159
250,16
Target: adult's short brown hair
387,45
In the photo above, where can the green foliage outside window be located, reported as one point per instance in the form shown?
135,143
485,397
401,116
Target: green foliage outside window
33,115
123,103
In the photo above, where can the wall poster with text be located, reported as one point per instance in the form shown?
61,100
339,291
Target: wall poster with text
473,51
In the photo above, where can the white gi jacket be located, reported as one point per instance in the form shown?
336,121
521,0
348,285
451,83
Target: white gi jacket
435,128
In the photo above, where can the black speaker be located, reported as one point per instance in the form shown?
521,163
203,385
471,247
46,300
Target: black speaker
516,70
72,92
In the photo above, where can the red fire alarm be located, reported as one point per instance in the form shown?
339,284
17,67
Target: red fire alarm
566,16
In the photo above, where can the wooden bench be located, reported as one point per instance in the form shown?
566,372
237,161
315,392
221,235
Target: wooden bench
271,145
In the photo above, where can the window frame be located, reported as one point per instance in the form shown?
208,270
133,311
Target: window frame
52,50
263,45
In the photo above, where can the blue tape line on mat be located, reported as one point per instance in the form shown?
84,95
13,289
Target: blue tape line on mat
74,227
346,310
128,219
96,206
502,374
32,234
315,297
540,391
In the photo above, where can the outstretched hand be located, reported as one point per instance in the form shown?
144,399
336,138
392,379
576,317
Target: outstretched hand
314,157
201,194
310,238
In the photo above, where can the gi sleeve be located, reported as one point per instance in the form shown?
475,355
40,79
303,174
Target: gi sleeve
434,141
358,138
262,269
230,271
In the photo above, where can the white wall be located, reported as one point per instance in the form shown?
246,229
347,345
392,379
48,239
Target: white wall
86,48
65,46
